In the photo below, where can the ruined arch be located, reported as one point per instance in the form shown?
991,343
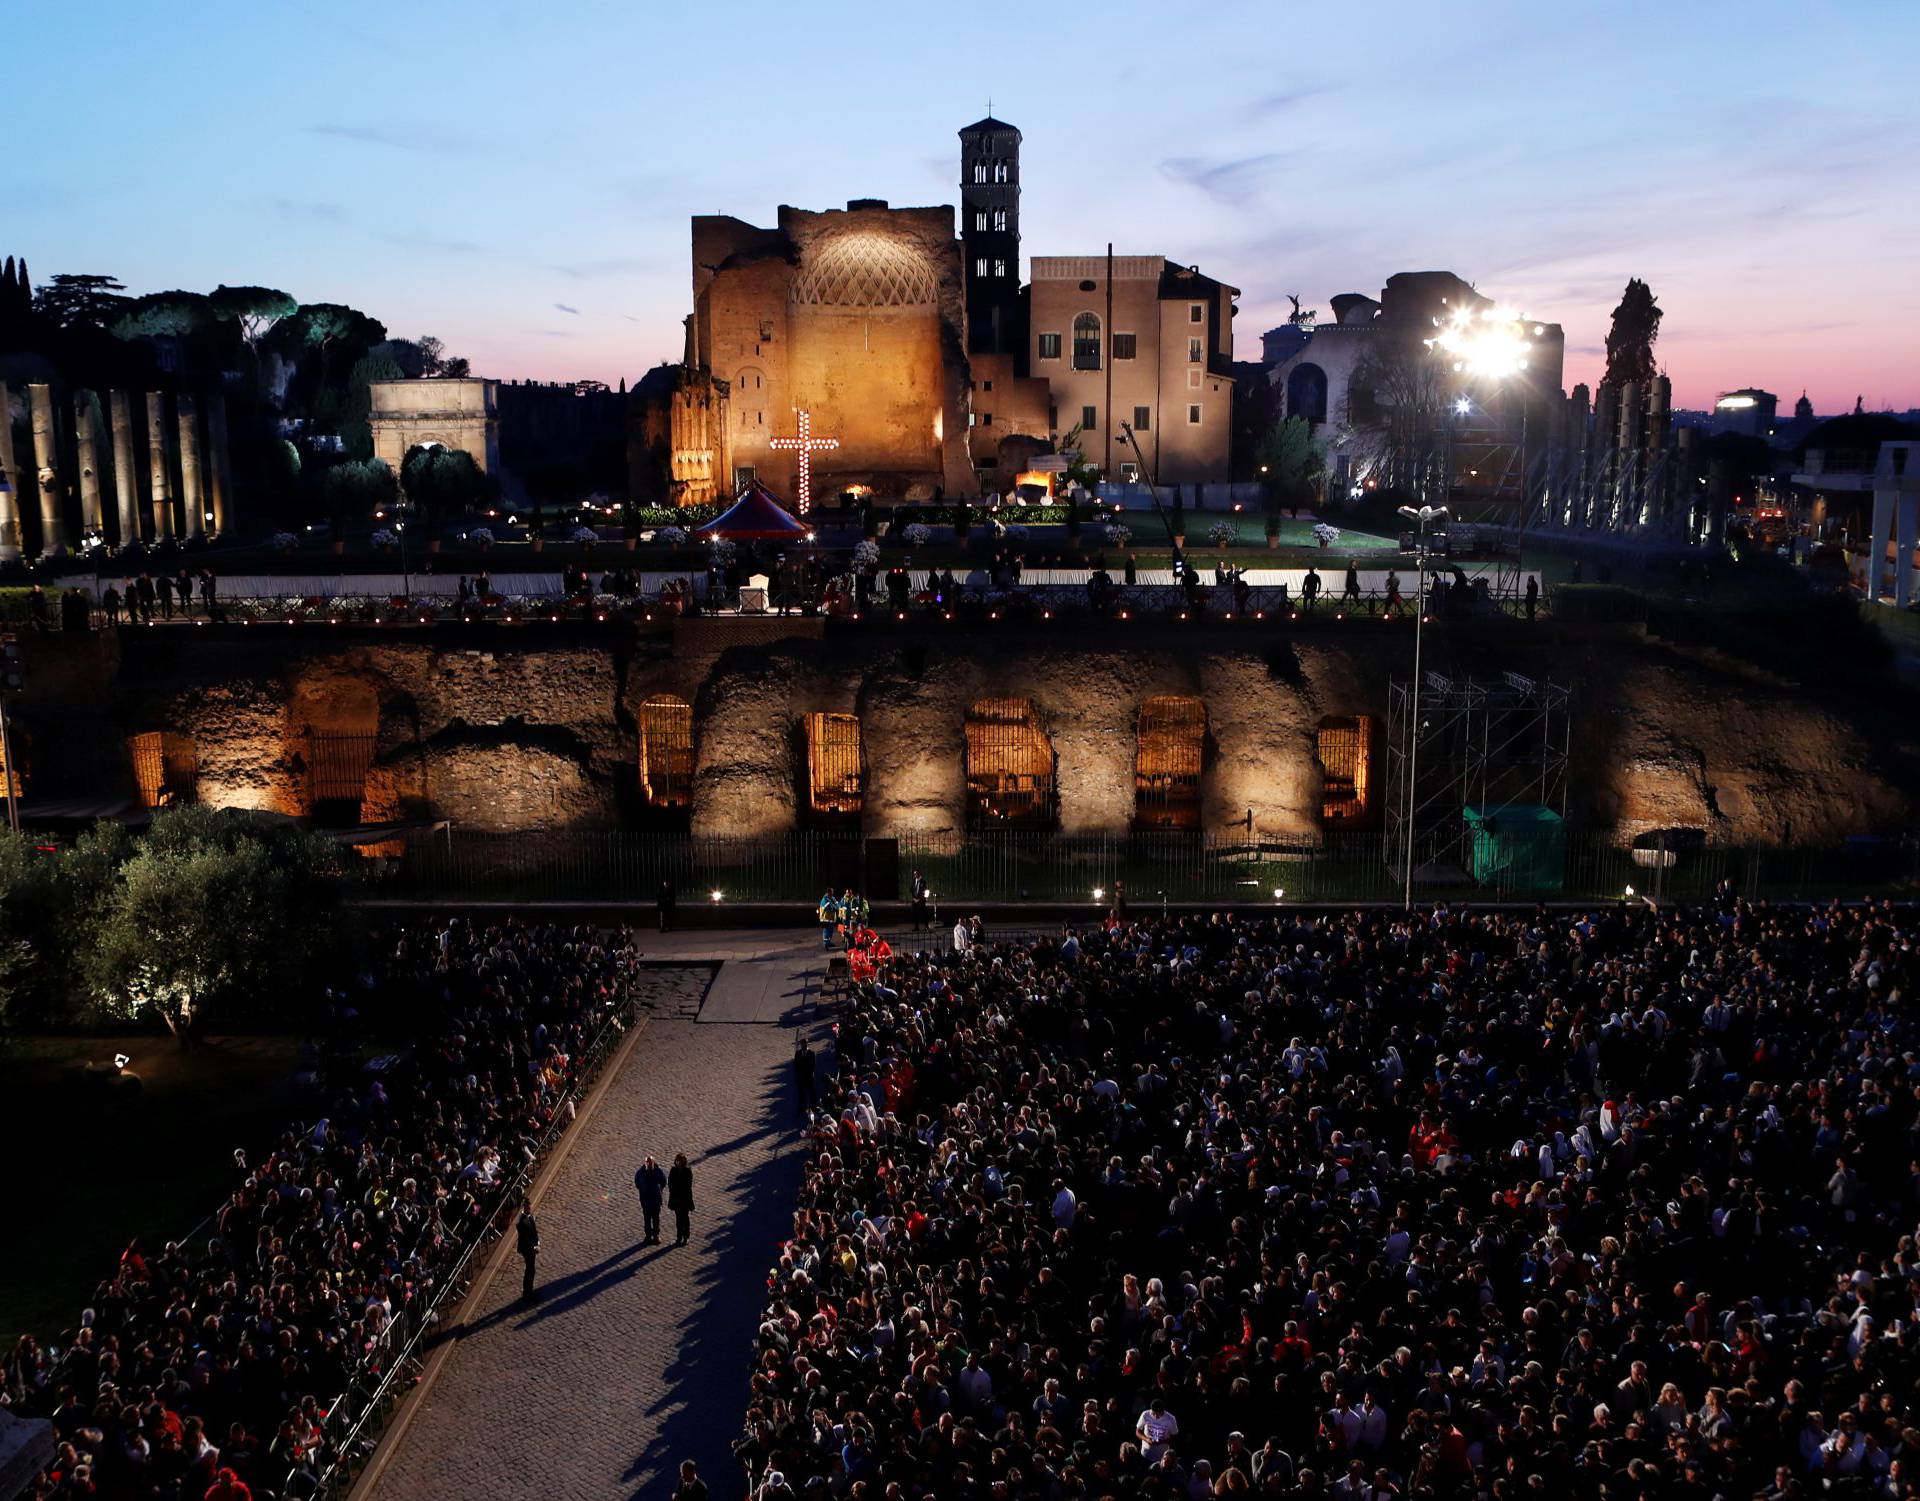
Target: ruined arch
1012,780
666,753
166,768
836,768
1169,761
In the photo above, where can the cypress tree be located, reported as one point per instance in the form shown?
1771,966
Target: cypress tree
25,288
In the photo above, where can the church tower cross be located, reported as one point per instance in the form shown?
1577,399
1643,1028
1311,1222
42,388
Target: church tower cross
806,445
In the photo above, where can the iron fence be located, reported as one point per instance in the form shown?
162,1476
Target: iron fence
1343,866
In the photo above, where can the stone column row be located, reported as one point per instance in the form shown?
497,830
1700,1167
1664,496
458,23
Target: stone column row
205,470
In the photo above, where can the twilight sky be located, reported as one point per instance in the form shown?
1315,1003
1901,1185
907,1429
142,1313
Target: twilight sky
516,177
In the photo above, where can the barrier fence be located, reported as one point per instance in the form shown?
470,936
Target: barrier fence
606,865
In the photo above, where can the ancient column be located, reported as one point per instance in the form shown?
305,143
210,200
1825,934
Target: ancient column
46,463
158,491
222,457
86,442
126,489
193,505
9,483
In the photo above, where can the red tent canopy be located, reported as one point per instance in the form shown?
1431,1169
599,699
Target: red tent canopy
755,517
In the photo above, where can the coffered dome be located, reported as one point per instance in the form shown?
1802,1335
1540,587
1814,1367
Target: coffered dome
864,269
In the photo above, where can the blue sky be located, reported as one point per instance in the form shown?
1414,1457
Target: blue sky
516,178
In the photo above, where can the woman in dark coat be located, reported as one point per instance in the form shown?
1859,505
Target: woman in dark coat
680,1197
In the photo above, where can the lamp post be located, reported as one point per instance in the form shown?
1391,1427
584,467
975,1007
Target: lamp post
1420,516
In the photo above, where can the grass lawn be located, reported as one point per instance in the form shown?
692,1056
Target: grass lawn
91,1167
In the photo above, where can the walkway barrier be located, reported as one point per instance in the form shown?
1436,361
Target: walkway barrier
717,872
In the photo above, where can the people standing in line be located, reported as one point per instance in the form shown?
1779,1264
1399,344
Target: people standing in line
110,602
527,1232
919,902
805,1086
209,591
163,586
663,901
143,598
650,1182
828,911
680,1198
183,586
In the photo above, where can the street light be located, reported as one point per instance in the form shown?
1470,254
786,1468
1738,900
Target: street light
1420,516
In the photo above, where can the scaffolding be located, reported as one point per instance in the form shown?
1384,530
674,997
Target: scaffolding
1481,747
1169,757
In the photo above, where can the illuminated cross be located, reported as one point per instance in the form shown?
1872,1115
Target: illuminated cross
806,445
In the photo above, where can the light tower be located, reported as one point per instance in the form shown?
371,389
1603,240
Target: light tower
990,235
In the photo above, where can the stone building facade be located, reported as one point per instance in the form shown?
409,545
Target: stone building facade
1140,341
857,316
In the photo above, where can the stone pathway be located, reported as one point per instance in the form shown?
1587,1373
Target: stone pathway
634,1357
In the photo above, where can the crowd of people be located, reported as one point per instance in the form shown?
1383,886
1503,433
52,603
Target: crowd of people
1348,1207
212,1370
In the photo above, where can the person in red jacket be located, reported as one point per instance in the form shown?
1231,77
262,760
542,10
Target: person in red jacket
228,1486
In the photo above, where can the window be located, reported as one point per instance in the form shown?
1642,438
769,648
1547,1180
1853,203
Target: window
979,171
1089,418
1193,380
1193,414
999,171
986,419
1000,219
1053,417
980,219
999,268
1196,312
1142,419
1086,342
986,385
1049,346
766,333
1123,346
1129,472
980,266
1194,351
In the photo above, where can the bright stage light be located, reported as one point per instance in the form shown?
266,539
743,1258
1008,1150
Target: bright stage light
1491,344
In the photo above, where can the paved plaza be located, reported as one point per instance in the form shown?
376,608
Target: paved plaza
633,1357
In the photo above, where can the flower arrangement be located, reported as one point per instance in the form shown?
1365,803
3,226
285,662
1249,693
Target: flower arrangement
1118,535
1326,535
583,534
671,536
383,538
917,534
725,551
1223,533
285,542
866,556
480,536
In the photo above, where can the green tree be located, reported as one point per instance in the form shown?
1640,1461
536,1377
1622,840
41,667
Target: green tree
1636,324
356,426
215,911
1291,463
358,488
327,330
442,481
82,301
30,967
164,315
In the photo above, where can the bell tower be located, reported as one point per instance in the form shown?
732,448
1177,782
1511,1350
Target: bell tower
990,236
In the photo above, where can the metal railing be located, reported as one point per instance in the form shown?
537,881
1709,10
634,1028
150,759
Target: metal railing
628,866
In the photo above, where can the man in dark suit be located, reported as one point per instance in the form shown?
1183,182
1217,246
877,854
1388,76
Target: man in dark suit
680,1198
650,1182
528,1232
